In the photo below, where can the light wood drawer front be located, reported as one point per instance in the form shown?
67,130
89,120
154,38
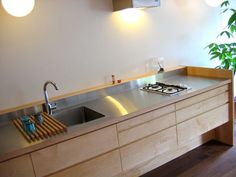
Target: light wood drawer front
201,97
18,167
145,117
202,123
146,129
68,153
107,165
199,108
145,149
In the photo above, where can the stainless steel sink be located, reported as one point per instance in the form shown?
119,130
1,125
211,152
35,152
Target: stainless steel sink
77,115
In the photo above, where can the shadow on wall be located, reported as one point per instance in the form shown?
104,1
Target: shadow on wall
98,5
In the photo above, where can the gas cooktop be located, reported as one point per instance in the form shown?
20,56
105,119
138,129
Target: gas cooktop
165,89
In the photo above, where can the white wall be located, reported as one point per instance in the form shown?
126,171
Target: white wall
80,43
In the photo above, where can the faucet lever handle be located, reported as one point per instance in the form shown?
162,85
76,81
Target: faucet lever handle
53,106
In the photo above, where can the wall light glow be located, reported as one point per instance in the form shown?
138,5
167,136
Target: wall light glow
130,19
18,8
214,3
131,16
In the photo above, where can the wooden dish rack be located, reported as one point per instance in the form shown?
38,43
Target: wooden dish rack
50,127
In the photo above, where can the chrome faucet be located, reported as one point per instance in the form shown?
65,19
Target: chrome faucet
49,106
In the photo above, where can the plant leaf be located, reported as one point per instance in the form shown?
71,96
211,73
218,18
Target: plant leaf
225,52
222,46
214,56
229,35
232,19
225,3
233,10
225,10
210,45
233,28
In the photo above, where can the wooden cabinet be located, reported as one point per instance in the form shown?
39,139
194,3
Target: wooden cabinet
120,148
140,143
71,152
202,123
148,148
201,107
146,129
146,124
107,165
145,117
203,96
145,138
18,167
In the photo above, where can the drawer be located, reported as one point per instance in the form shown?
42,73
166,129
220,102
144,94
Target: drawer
107,165
201,97
201,107
146,129
148,148
145,117
18,167
202,123
68,153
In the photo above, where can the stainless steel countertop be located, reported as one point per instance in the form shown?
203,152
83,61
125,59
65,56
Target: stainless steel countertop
137,99
116,107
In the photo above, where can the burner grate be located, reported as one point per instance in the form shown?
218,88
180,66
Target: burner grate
165,89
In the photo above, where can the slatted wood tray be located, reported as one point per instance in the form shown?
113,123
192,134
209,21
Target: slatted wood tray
50,127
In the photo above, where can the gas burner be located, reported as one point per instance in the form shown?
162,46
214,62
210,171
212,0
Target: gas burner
170,90
155,87
165,89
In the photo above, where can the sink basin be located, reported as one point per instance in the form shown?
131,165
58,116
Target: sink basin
77,115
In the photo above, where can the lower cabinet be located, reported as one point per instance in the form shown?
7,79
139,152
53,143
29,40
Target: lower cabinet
148,148
202,123
146,129
106,165
17,167
143,140
74,151
201,107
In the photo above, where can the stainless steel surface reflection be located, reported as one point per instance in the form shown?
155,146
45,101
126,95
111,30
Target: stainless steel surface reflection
117,104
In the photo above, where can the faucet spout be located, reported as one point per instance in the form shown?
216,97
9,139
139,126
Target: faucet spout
49,106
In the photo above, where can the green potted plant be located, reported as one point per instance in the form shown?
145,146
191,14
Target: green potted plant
226,52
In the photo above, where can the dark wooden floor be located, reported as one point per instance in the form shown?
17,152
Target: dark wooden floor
210,160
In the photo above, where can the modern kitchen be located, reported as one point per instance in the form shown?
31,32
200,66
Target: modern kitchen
117,88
